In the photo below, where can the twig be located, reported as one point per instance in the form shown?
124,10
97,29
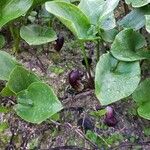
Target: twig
80,133
79,96
68,147
42,67
131,145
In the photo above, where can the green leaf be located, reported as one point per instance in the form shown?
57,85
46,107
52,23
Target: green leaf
107,19
147,23
12,9
37,103
33,143
128,46
135,20
37,35
55,117
3,126
92,9
108,7
114,138
2,41
114,79
20,79
6,92
98,113
97,139
144,111
108,22
137,3
147,131
7,64
56,69
4,109
100,12
142,96
72,17
109,35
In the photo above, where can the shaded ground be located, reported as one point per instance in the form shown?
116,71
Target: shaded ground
131,132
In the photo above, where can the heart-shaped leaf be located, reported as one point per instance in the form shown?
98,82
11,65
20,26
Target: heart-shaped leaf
92,9
147,23
7,64
72,17
128,46
142,96
115,79
100,12
107,20
136,18
143,110
37,35
37,103
12,9
109,35
137,3
109,6
20,79
107,23
6,92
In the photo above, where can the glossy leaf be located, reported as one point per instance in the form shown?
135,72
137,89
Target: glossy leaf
109,6
37,35
135,20
2,41
142,96
143,110
92,9
108,23
109,35
137,3
12,9
128,46
72,17
107,19
115,80
7,64
37,103
20,79
100,12
147,23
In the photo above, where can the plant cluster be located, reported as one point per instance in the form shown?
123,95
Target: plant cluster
117,73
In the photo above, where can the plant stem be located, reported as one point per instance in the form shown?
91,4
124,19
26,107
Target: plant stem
87,65
103,50
16,37
97,51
